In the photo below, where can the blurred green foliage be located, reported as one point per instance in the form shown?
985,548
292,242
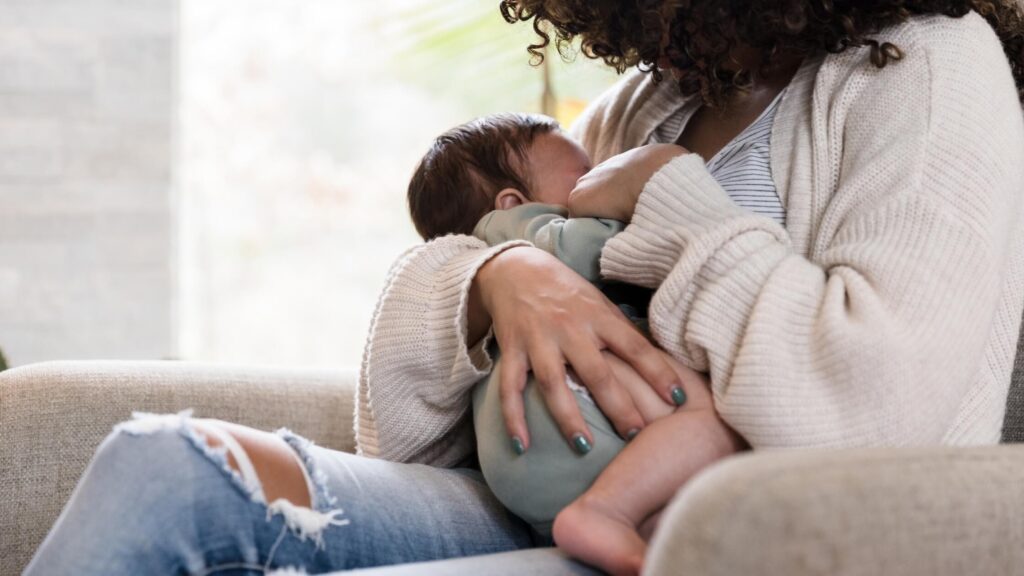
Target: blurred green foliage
466,51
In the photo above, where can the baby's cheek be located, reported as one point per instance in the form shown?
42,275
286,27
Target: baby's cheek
558,197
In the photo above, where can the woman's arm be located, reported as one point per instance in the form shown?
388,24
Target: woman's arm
417,367
875,333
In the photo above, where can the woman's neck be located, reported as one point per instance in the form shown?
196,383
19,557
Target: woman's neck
766,82
780,71
708,130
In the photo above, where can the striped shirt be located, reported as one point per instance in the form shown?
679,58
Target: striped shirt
743,166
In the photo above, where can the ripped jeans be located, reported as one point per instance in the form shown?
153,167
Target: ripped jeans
157,499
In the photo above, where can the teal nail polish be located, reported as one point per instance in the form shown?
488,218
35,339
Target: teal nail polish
517,446
632,434
678,396
581,443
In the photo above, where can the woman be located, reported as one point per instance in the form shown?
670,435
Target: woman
883,312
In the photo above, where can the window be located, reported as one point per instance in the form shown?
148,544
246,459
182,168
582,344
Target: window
301,122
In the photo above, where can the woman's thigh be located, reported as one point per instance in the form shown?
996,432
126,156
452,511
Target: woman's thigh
156,499
408,512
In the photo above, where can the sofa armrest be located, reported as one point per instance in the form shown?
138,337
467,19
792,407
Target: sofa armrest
935,511
53,415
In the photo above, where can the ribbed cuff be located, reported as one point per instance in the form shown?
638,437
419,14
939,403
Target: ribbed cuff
417,353
680,204
458,276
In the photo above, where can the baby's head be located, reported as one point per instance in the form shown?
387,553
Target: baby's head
492,163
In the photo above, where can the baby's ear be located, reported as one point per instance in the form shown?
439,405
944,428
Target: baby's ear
509,198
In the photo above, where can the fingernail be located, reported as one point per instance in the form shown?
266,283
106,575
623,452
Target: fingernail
517,446
581,443
632,434
678,396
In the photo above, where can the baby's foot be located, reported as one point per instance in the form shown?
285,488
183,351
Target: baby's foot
594,533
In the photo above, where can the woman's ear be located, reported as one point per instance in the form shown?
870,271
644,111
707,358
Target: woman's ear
509,198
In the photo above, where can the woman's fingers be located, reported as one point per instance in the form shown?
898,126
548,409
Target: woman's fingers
543,314
610,394
549,370
626,342
513,370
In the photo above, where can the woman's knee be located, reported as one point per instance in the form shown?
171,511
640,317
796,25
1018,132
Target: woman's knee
229,468
160,448
140,450
148,466
264,460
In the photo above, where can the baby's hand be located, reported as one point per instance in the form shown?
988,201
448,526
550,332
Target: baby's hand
612,188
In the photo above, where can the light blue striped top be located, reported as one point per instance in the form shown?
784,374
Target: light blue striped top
743,167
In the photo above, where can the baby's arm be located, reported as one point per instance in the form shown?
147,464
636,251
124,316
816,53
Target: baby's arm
577,242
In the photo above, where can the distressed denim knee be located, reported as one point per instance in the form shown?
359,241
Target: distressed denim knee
172,504
305,522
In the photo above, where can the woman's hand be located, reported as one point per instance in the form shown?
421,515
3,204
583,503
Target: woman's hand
612,188
546,316
696,388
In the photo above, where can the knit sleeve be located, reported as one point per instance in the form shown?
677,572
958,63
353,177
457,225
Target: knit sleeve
873,335
413,393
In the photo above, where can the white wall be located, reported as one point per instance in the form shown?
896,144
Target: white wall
86,149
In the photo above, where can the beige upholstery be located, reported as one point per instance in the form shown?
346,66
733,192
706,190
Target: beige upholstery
908,512
53,416
933,511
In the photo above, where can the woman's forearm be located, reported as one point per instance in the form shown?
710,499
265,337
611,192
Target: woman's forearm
841,345
414,387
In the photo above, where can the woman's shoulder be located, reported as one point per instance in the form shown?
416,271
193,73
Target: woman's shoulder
942,30
932,44
943,42
947,63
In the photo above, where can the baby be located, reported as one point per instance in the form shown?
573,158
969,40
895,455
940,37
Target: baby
506,177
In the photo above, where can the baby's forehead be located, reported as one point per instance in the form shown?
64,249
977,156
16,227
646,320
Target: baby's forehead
557,147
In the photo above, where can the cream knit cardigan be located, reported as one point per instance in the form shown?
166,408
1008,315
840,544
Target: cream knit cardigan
886,313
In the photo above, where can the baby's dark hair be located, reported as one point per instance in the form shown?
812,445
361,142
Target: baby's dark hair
456,181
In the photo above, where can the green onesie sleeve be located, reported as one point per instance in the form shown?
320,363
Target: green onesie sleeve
577,242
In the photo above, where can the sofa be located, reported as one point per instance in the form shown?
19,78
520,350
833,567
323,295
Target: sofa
913,511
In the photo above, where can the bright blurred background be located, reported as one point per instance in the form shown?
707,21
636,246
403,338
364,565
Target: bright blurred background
279,136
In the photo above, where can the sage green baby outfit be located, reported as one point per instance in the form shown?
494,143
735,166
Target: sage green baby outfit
538,484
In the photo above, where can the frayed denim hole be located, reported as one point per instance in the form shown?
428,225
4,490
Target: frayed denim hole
323,512
303,522
143,424
219,455
322,501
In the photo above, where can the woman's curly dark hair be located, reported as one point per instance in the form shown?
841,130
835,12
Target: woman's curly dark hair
702,33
